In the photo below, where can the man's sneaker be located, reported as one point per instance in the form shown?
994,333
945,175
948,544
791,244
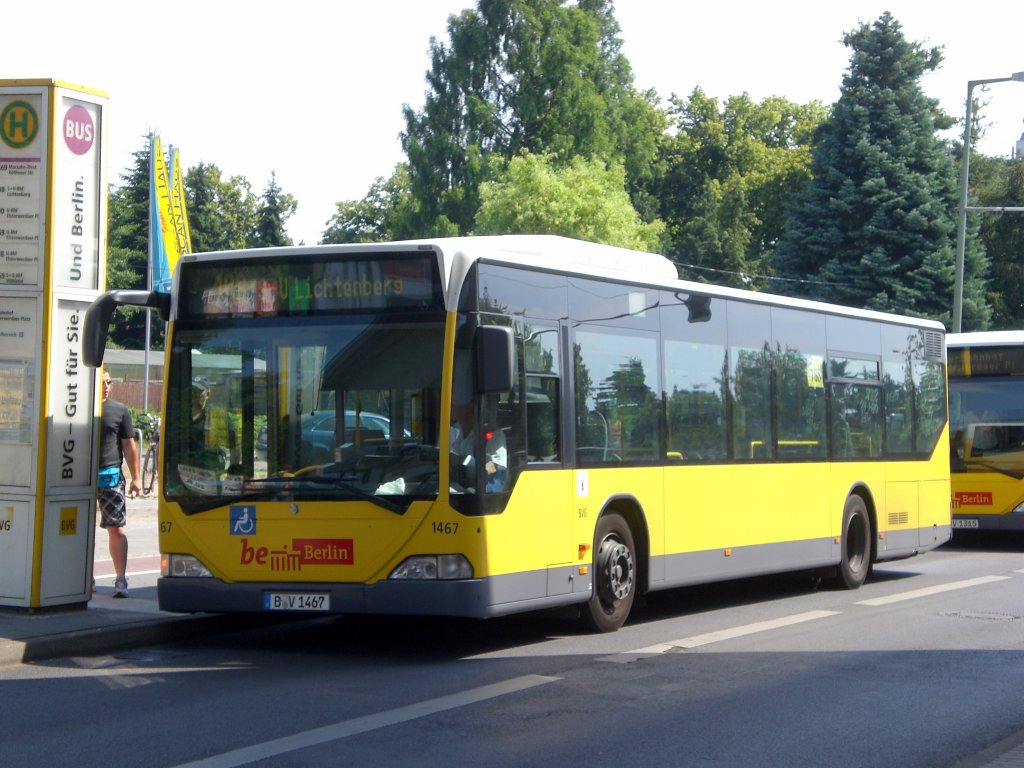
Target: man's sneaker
120,587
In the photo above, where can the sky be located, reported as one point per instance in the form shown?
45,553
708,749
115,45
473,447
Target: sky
312,90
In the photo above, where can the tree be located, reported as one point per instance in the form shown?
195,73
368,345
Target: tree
542,76
276,207
876,226
725,175
128,251
584,199
221,214
384,210
999,182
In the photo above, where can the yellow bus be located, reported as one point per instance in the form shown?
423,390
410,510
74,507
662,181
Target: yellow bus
483,426
986,415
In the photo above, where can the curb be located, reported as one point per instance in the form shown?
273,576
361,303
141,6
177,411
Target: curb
118,637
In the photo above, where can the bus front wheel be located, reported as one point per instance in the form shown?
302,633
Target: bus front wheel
614,575
855,562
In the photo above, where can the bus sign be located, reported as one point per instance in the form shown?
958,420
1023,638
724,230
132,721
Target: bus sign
295,286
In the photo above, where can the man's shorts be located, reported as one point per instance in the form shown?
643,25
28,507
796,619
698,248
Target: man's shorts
112,506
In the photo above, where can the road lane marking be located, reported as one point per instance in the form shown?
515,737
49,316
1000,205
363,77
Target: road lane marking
347,728
137,674
928,591
718,636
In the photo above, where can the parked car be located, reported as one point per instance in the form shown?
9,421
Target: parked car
318,432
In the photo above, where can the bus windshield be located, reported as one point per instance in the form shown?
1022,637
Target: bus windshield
987,425
327,406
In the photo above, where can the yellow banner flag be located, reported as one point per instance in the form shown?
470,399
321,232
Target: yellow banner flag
167,246
181,228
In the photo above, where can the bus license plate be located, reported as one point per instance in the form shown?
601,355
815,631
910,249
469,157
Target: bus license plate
968,523
297,601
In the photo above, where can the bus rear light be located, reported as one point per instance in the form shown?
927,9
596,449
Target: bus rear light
431,567
172,566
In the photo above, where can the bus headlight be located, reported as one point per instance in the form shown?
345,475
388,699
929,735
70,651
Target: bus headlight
430,567
183,565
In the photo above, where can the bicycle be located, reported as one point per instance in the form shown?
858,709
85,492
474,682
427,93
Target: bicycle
150,473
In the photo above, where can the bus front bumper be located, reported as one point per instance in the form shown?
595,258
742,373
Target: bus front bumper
1010,521
465,598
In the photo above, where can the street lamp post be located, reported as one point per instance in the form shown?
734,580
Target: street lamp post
961,228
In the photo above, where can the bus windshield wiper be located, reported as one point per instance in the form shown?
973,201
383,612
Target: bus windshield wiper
355,490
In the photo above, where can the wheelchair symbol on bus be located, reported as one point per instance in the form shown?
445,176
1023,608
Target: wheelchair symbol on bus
243,520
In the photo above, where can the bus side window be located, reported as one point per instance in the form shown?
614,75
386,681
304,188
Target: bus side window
542,418
541,382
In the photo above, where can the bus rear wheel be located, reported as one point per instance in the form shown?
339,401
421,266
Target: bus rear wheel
855,562
614,575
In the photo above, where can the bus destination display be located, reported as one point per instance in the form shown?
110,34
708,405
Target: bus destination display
300,286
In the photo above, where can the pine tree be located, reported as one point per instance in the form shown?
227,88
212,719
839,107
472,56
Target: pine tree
876,226
276,208
128,251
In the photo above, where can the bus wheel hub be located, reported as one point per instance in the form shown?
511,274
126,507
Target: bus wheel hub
617,569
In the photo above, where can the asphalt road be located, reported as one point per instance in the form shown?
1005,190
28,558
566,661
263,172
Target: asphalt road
923,666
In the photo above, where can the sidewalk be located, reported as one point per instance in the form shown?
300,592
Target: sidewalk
107,625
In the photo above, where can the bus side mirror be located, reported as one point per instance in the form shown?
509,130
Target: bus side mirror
699,308
494,361
97,318
95,329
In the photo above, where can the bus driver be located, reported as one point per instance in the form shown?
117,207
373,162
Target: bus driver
463,441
